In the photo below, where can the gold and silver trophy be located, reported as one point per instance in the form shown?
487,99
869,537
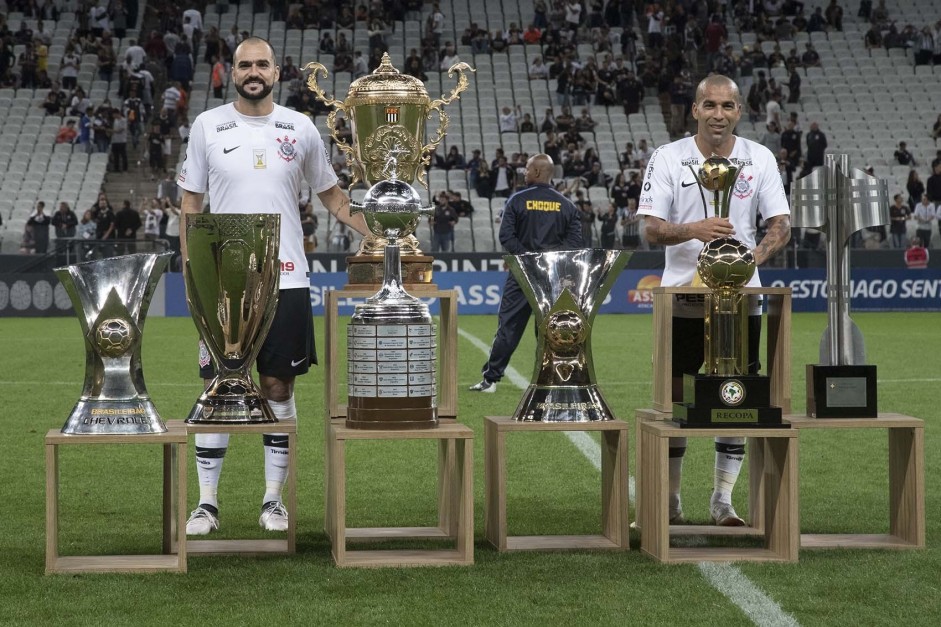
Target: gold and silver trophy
232,275
726,395
387,112
840,202
111,298
391,339
565,289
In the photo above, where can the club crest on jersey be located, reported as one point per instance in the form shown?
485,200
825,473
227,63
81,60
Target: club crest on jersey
392,115
286,150
743,187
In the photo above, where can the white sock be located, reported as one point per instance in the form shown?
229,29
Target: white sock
276,452
677,451
729,455
210,452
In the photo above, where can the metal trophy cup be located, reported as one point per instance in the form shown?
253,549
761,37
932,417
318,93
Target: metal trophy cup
840,202
726,395
232,277
111,297
387,111
391,340
565,289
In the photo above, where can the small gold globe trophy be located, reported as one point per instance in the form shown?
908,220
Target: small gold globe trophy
387,112
726,395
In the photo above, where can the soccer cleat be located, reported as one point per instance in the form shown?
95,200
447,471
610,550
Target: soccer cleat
723,515
484,386
273,516
202,521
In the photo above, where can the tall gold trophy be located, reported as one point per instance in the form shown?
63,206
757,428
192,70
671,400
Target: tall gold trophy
726,395
387,112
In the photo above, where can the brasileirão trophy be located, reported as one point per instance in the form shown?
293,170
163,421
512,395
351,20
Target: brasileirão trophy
565,289
726,395
232,275
111,298
387,113
391,339
841,202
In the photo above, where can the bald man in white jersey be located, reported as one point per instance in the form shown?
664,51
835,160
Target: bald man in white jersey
678,217
253,156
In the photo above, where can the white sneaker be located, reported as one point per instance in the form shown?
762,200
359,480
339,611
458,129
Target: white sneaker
723,515
484,386
274,517
202,521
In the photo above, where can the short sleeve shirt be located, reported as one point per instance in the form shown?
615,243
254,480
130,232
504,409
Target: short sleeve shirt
259,165
670,192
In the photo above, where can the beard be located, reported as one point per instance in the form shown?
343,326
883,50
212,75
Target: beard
254,97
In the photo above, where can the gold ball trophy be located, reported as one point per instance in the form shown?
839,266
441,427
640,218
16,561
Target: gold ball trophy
726,395
387,112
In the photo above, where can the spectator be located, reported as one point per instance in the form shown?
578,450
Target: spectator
926,213
791,141
772,138
609,225
538,69
39,223
899,214
936,129
64,221
152,212
873,38
454,159
587,216
67,133
442,224
644,152
127,222
503,178
915,189
527,125
485,183
916,255
548,124
155,151
834,15
509,122
28,241
118,142
903,156
816,146
461,206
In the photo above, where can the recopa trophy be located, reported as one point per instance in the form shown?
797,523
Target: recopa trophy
726,395
387,113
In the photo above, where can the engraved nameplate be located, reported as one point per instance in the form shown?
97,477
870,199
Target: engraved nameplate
846,392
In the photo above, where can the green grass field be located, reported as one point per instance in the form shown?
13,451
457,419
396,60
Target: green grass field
111,503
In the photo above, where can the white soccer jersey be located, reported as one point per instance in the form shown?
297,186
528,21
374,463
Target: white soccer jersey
259,165
670,193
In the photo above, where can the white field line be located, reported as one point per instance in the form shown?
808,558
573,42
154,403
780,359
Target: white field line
727,579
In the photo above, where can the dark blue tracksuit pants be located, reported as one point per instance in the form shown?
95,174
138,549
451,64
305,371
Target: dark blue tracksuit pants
511,324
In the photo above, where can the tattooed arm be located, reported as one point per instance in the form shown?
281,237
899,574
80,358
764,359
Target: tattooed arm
665,233
337,202
778,235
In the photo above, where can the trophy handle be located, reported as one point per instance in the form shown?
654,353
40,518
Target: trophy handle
436,106
312,84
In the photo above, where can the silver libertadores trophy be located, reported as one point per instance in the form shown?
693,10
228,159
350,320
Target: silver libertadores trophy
232,275
111,297
840,202
391,339
726,395
565,289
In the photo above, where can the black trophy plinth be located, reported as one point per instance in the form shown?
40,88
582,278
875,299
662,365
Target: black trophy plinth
718,401
841,391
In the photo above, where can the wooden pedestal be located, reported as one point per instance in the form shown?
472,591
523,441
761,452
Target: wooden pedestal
772,455
283,544
174,505
614,471
447,347
777,342
455,500
906,483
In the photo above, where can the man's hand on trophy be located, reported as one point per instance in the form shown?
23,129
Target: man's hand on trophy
712,228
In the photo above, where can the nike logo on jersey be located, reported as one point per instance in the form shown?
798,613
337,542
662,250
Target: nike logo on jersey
226,151
684,184
295,364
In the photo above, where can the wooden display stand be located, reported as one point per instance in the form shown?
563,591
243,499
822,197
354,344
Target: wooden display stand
285,544
447,347
614,477
772,455
906,483
455,500
174,505
777,342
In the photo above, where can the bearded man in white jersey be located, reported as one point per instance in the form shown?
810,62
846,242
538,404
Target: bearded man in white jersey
678,217
253,156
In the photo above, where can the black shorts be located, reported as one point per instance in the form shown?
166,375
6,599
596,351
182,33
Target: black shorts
289,349
689,350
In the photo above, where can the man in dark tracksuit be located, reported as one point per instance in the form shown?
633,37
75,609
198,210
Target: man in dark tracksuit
537,218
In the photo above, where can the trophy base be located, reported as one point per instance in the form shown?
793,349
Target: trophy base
717,401
367,270
841,391
114,417
582,403
391,418
231,400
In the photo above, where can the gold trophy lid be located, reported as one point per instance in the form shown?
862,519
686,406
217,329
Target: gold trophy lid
386,81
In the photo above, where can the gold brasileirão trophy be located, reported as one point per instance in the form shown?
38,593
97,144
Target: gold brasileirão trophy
387,112
726,395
